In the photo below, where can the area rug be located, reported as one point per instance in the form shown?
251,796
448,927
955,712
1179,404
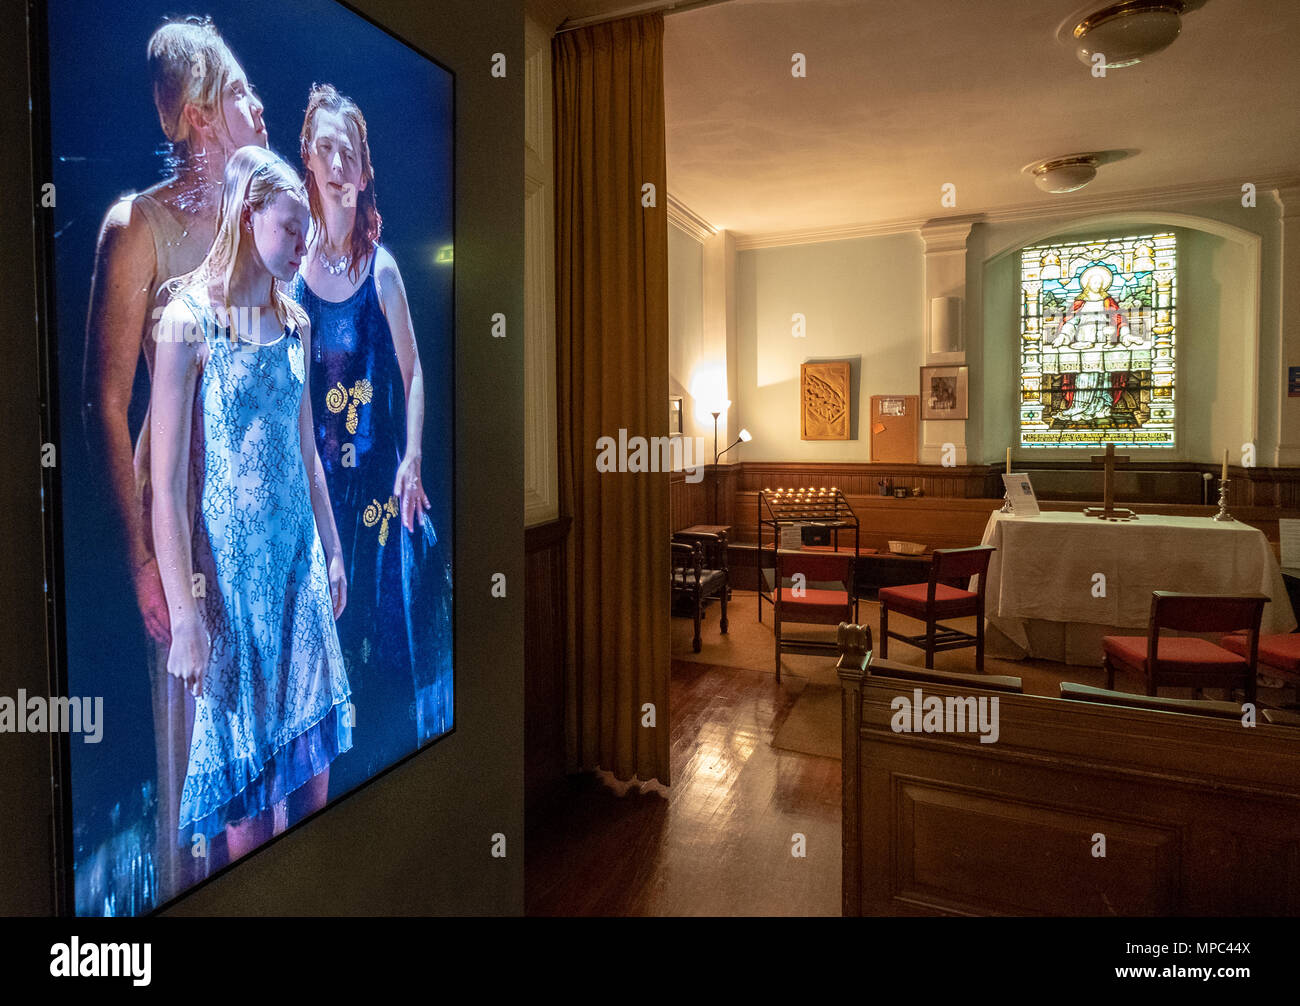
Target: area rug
813,724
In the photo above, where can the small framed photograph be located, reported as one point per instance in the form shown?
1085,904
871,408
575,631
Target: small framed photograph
943,393
675,415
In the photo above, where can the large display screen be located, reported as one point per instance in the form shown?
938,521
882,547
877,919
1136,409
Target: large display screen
246,216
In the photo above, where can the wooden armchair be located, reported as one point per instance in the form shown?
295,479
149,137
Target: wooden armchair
694,581
713,548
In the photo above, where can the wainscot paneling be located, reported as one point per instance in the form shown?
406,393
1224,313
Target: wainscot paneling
955,502
545,633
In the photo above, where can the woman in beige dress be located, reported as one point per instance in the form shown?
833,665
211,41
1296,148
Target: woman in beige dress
208,110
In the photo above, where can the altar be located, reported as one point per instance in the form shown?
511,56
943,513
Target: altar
1060,581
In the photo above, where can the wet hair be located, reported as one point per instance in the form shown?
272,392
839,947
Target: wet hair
189,64
366,229
254,177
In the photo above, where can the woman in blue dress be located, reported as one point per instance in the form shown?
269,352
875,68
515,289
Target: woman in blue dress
368,403
248,551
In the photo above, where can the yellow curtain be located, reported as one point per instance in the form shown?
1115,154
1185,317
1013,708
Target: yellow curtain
612,345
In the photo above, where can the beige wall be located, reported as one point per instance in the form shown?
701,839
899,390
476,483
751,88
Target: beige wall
862,301
688,349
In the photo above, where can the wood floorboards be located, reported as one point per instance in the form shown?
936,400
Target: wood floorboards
719,841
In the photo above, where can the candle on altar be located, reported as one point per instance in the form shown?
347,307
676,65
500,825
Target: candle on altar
1008,460
1224,476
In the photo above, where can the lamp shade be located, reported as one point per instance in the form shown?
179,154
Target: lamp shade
709,390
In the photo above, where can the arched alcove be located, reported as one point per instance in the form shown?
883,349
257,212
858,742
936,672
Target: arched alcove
1219,381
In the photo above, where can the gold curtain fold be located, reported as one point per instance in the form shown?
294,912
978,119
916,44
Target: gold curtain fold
611,269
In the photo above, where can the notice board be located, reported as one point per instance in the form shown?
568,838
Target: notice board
895,428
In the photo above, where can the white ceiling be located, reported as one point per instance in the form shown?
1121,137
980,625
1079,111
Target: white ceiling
903,96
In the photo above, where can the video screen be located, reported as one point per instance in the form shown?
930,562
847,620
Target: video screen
249,216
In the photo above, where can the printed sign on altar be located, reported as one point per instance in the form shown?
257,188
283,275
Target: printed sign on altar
1021,494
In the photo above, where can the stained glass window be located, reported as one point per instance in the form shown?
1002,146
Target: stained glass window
1097,326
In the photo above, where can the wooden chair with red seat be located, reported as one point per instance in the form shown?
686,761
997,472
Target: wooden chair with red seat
801,603
1279,653
845,550
1188,661
941,598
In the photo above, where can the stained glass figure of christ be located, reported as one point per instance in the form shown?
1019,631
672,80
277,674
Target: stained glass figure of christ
1097,326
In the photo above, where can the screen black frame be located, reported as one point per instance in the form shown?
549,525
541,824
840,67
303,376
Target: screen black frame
47,333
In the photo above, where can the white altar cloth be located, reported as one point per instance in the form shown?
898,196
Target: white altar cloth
1045,599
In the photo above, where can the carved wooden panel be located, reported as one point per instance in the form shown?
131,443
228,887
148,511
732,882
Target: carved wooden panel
1040,856
824,400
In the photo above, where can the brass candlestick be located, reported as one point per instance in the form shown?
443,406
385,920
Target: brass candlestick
1223,501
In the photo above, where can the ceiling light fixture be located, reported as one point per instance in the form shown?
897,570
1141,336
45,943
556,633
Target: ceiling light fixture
1063,174
1125,33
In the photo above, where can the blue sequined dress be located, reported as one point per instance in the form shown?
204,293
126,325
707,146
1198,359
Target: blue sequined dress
274,711
396,633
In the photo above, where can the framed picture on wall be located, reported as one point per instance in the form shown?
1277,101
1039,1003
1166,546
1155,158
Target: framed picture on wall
675,416
944,393
255,649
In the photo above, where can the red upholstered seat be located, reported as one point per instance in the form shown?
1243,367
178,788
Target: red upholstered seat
1281,652
1188,661
946,564
949,602
816,606
794,601
1198,655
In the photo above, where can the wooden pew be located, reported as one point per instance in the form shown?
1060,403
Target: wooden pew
1200,814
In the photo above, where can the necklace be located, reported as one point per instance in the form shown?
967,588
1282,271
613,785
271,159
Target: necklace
335,268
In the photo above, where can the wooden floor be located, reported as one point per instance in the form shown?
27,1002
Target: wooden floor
719,841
